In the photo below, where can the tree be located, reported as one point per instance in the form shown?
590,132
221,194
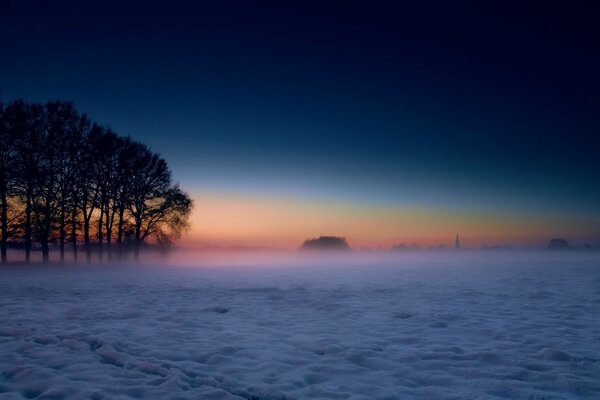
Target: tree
326,243
7,156
25,123
168,217
159,209
126,162
87,184
63,177
69,129
80,126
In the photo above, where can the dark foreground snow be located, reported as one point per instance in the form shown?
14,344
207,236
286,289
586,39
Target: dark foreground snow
518,326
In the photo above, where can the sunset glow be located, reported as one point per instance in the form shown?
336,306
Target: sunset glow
259,200
242,219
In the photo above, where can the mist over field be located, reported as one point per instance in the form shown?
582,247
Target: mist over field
252,325
289,200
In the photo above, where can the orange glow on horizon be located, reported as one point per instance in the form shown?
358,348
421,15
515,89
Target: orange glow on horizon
248,220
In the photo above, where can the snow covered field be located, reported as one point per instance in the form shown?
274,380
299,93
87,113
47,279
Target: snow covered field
438,326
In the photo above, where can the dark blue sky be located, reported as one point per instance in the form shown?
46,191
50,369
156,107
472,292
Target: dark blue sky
466,106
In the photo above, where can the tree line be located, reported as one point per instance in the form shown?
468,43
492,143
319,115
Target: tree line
69,181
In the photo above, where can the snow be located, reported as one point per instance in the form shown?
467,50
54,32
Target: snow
474,326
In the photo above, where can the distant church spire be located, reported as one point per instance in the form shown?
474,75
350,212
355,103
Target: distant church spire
457,243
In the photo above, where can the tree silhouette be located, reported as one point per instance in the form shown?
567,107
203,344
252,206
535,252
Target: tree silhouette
64,178
7,156
325,243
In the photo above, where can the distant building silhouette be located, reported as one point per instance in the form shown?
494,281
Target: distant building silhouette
457,243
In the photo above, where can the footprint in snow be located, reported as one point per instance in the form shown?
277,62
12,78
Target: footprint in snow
219,310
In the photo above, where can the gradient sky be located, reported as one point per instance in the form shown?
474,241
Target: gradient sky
382,123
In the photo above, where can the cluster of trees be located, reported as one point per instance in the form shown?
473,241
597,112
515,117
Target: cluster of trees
69,181
325,243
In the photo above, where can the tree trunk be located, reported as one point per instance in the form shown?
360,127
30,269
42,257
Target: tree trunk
109,245
4,222
28,208
45,251
138,239
47,230
74,232
63,230
100,219
86,235
120,231
109,225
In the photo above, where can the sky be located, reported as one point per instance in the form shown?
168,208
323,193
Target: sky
384,122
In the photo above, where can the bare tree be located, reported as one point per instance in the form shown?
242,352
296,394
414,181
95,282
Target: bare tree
26,123
126,162
87,185
59,172
159,209
7,157
69,127
168,217
104,171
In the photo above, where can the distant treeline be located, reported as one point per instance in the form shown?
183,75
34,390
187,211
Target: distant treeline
325,243
67,180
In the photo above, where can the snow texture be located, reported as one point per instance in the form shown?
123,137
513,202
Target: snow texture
475,327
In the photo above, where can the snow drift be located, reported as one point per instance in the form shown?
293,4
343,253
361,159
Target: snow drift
421,327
